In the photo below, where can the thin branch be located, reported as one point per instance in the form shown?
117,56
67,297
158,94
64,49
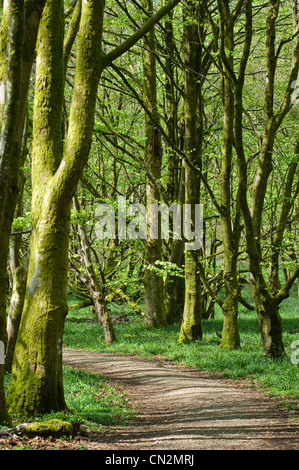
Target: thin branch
284,292
132,40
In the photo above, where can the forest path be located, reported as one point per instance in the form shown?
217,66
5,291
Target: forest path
185,409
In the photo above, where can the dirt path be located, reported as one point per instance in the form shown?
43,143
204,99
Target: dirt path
184,409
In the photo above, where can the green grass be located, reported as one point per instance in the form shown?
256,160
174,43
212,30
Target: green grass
278,377
92,401
91,397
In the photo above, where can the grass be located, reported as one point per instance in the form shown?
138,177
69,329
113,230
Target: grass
92,398
94,402
278,377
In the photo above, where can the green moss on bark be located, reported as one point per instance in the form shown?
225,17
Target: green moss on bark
3,43
153,283
191,328
230,331
53,428
36,384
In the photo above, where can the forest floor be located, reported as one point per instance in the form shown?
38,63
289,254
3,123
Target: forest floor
181,408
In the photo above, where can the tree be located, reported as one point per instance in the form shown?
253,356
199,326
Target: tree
231,227
19,28
153,283
93,282
36,385
233,70
266,303
191,328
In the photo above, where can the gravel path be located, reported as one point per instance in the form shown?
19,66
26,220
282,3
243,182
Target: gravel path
185,409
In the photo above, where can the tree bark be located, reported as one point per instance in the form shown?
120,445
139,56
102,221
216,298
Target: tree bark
15,72
191,328
19,277
267,304
153,283
174,286
11,60
230,228
36,385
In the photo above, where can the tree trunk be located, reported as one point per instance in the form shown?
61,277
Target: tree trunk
174,290
36,385
191,328
39,344
19,277
11,60
230,228
15,73
266,303
153,283
37,368
267,309
94,285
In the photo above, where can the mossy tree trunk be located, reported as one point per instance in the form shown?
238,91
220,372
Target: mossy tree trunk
15,70
18,271
266,302
35,363
36,385
230,227
11,59
153,283
173,285
191,328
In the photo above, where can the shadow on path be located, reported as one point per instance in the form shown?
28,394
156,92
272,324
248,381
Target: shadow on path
184,409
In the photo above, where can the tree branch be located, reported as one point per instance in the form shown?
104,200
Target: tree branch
132,40
284,292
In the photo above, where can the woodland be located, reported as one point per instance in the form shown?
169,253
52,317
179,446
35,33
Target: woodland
155,102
